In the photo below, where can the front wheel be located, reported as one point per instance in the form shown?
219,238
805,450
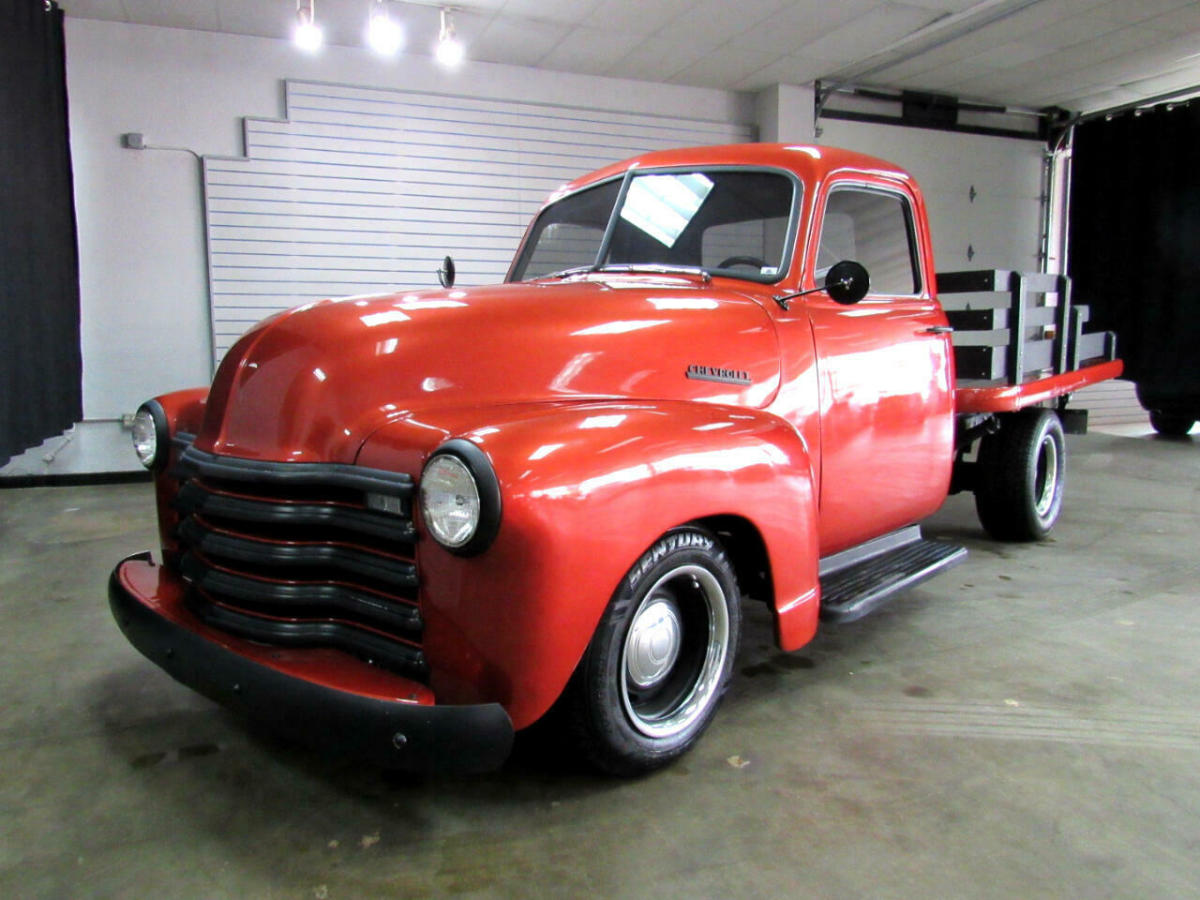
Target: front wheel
661,657
1022,471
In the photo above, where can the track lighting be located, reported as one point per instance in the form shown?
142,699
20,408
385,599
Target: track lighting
384,34
449,49
308,35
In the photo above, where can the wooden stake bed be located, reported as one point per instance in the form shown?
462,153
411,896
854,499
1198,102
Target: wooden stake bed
1019,340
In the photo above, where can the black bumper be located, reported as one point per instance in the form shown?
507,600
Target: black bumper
389,734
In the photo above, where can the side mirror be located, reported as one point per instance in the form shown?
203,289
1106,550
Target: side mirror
446,273
847,282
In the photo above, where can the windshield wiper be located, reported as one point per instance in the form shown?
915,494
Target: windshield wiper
656,268
574,270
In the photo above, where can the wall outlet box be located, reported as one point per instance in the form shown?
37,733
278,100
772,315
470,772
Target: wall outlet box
133,140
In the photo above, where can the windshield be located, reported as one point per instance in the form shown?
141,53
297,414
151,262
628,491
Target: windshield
723,221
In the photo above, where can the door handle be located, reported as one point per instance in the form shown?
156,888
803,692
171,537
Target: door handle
937,329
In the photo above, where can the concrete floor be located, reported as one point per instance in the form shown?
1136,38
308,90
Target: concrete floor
1024,726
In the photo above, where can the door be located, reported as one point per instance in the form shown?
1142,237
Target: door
884,365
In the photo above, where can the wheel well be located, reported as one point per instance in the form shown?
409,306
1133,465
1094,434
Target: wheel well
747,552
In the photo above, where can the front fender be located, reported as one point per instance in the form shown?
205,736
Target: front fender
586,488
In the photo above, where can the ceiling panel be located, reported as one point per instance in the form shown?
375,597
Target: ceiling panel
797,24
651,60
870,33
1124,12
565,12
517,41
793,69
712,23
590,51
1081,54
717,70
636,18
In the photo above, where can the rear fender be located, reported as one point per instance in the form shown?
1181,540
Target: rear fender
586,489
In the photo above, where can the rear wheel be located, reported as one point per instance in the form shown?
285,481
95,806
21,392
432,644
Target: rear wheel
660,660
1169,424
1022,471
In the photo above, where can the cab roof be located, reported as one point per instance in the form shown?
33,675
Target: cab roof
808,161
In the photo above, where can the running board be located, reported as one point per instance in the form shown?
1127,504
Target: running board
859,580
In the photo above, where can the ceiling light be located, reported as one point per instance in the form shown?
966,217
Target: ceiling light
449,49
308,35
384,34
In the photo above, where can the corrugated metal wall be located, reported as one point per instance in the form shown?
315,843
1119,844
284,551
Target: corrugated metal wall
1110,403
364,190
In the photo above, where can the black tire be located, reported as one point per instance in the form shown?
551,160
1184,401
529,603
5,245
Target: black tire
1169,424
1021,475
660,660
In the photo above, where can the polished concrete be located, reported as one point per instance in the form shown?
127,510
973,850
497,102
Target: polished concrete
1027,725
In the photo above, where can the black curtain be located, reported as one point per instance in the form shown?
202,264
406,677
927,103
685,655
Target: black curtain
40,364
1135,240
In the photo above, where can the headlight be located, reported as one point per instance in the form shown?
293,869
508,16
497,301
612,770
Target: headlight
460,498
450,501
150,440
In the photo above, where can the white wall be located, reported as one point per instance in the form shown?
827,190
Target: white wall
143,270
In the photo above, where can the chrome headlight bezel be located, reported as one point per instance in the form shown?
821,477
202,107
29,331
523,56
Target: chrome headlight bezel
151,435
473,463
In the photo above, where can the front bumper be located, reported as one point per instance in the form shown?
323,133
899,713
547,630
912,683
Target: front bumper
322,698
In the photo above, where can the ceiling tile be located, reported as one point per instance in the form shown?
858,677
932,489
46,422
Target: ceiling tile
1112,47
105,10
589,50
712,23
796,25
566,12
1018,26
1105,99
261,19
1068,32
519,42
1165,83
942,6
792,69
636,18
718,70
1186,18
943,78
652,60
869,34
1122,12
200,15
1009,56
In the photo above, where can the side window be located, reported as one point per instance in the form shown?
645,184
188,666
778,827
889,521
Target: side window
569,232
562,245
873,228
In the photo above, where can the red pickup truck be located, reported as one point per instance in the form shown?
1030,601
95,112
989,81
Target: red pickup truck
404,526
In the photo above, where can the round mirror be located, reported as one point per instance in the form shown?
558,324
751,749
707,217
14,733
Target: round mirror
446,273
847,282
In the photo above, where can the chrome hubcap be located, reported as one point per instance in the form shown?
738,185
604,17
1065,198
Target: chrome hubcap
1046,483
654,641
675,652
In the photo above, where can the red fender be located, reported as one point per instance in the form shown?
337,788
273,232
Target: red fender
586,488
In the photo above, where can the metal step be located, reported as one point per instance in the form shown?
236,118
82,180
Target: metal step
859,580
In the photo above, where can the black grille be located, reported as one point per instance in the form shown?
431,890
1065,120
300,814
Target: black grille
290,554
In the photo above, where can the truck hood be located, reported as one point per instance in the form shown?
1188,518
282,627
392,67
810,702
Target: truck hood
314,383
